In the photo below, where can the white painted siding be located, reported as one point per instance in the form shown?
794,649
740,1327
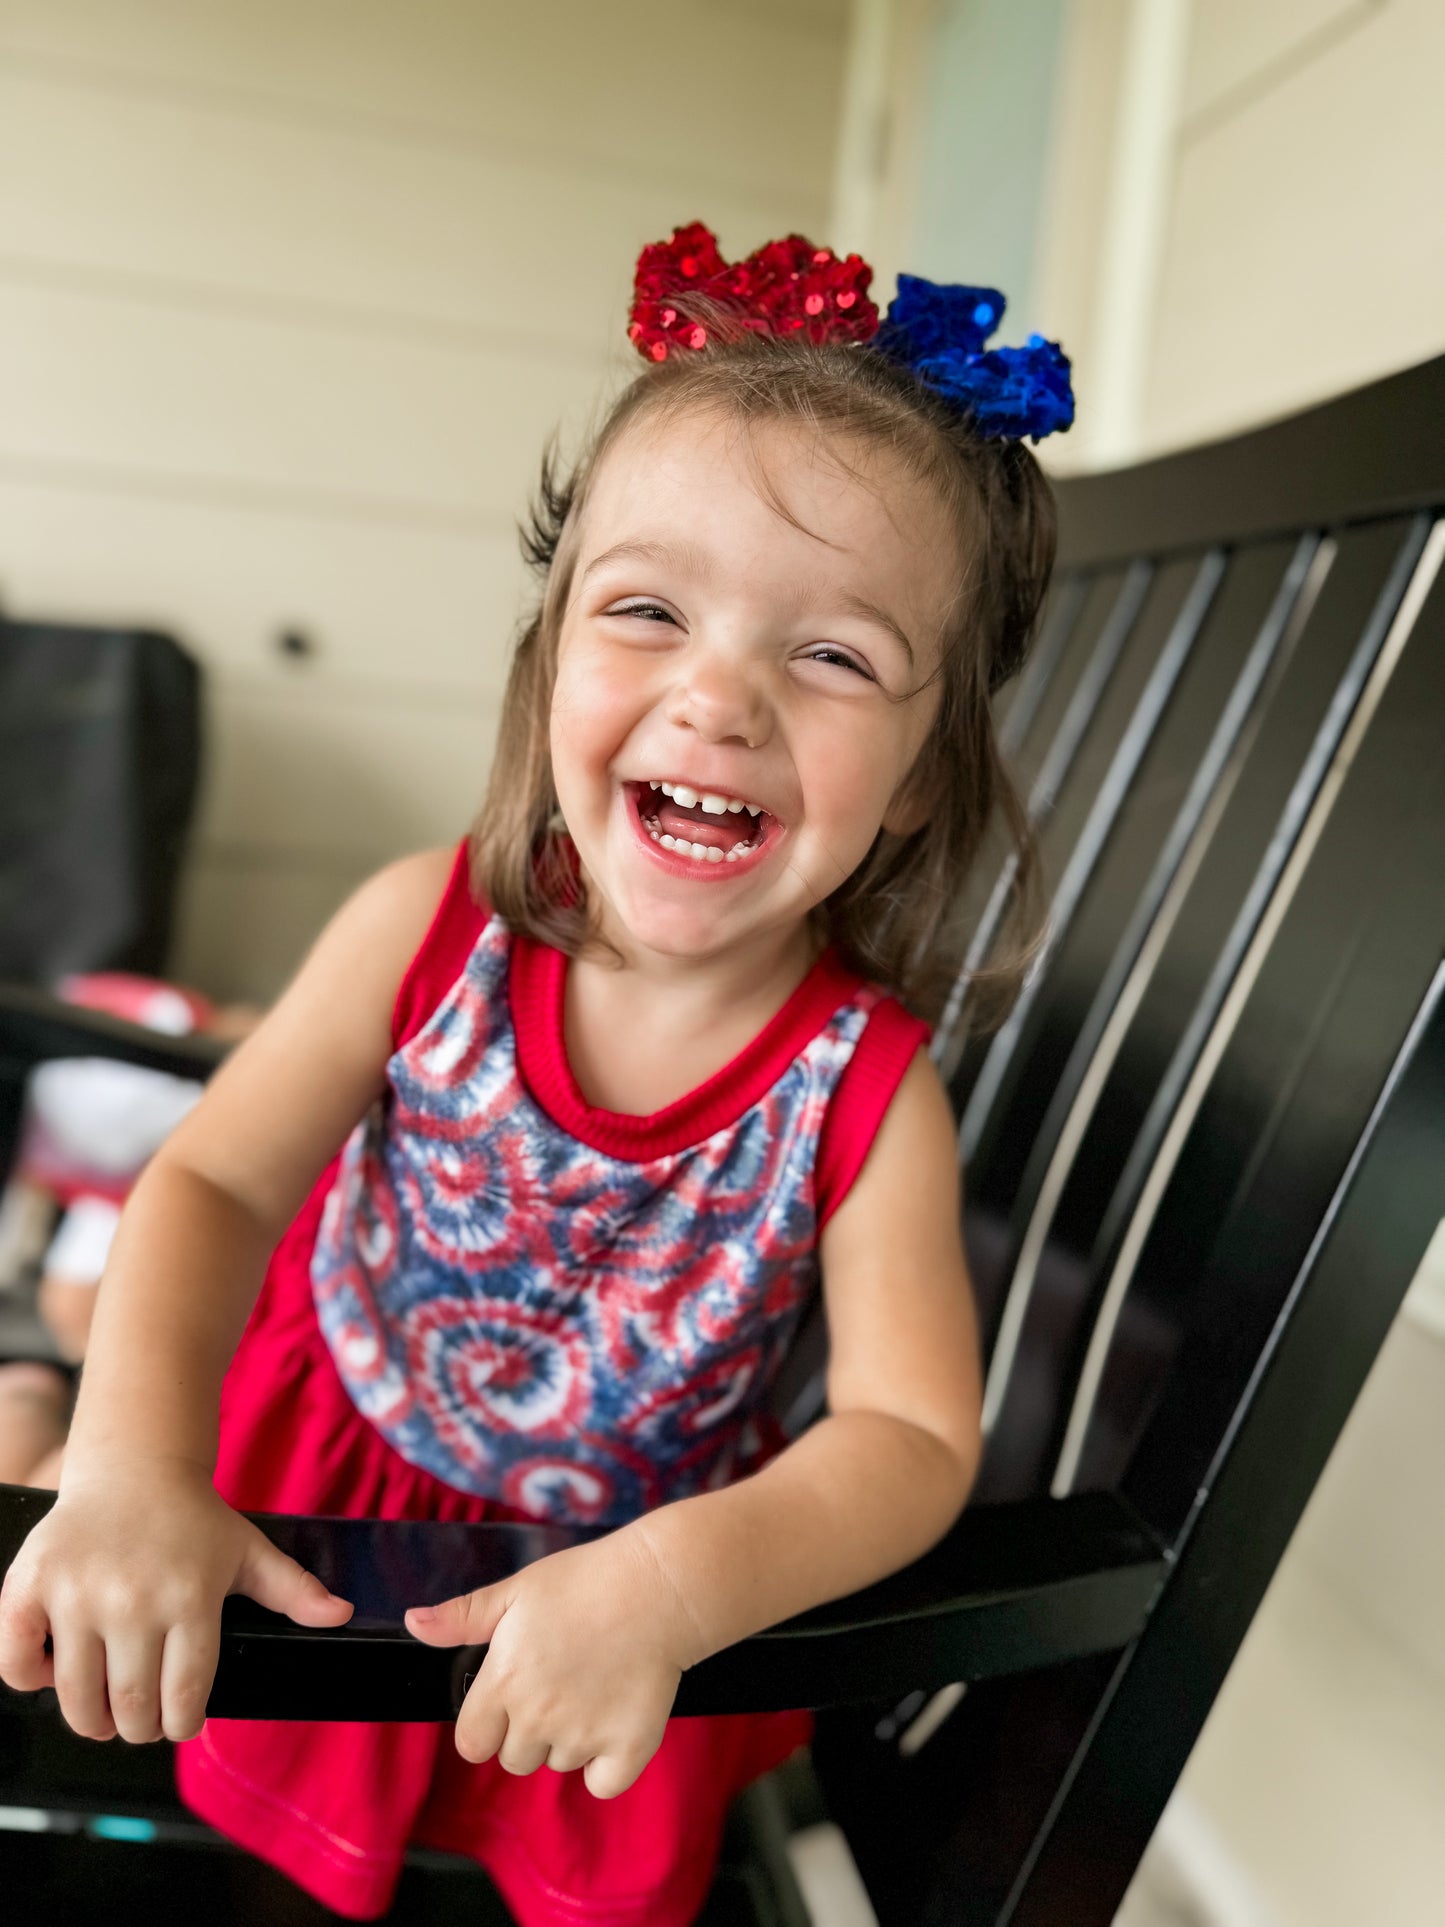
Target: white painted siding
1301,250
1305,250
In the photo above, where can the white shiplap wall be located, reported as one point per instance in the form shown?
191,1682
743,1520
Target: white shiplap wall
1305,250
1299,248
291,294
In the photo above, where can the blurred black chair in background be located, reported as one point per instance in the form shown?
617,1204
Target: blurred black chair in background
100,753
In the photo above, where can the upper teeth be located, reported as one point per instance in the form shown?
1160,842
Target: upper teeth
713,804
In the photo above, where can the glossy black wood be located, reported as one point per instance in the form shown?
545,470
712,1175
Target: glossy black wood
1296,716
1110,778
1043,757
1210,1036
1340,983
1009,1589
1362,457
1299,1210
1116,1752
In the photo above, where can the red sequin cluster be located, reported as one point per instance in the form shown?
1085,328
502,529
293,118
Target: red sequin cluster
788,287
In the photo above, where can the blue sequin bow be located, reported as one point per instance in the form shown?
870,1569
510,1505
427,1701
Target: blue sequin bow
939,333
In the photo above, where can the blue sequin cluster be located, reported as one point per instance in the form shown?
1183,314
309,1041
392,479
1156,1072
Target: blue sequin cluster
940,333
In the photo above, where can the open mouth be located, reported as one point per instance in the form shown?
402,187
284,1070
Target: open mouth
707,831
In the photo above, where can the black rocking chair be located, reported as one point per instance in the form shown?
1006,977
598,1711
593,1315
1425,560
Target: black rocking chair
1204,1157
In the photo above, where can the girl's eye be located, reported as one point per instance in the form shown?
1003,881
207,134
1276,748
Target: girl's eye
836,655
646,609
654,612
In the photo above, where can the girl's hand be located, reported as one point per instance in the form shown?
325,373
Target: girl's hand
126,1575
585,1650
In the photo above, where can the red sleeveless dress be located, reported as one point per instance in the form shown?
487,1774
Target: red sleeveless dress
471,1372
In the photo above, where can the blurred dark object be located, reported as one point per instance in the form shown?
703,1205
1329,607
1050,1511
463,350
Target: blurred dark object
100,745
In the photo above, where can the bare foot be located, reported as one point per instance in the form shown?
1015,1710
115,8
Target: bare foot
34,1419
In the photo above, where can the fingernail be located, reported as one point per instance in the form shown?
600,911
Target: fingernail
423,1615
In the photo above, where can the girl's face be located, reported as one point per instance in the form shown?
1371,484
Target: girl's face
711,647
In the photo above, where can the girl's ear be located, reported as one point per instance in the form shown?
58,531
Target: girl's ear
912,803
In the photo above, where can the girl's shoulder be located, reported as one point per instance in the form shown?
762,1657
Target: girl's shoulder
417,884
294,1089
889,1042
439,900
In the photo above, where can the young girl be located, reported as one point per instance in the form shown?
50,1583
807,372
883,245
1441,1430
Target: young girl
612,1101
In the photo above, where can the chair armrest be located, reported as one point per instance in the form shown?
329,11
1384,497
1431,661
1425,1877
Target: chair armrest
36,1027
1012,1587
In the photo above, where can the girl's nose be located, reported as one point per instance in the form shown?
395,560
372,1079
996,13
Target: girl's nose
721,702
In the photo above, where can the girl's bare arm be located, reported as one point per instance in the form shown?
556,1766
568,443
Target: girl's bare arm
198,1228
125,1576
878,1481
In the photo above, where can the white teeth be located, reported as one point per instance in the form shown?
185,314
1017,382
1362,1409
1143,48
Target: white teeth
699,852
711,801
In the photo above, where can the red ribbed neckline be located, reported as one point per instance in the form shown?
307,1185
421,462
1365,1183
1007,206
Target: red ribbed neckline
537,985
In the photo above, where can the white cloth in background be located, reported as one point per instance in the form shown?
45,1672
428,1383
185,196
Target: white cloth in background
79,1250
107,1117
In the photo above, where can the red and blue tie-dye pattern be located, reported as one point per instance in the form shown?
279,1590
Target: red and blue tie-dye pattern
528,1318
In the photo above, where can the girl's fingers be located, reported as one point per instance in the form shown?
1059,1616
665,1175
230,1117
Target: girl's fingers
80,1683
25,1666
612,1773
278,1582
471,1618
188,1671
521,1756
133,1685
481,1729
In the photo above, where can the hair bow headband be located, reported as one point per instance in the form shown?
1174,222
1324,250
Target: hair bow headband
790,287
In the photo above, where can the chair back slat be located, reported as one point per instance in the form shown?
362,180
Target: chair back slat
1053,715
1050,1319
1112,1738
1097,1150
1264,1129
1004,1080
1054,1150
1017,703
1107,801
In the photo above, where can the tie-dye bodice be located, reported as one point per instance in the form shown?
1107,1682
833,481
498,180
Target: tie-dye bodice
579,1334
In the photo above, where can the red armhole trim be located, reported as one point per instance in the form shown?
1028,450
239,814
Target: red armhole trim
863,1093
450,939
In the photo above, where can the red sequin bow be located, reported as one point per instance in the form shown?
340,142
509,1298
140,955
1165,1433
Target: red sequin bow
788,287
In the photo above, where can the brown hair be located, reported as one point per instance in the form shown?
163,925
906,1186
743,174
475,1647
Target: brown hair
900,918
